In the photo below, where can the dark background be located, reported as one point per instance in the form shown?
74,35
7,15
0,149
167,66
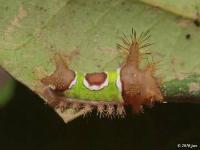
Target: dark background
26,123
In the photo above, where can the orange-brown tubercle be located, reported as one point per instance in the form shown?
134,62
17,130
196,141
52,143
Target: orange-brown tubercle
62,76
139,86
96,78
134,55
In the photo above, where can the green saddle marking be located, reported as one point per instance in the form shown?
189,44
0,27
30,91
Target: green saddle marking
109,93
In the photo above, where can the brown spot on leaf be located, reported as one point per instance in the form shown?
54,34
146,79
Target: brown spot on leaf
74,53
184,22
39,72
15,22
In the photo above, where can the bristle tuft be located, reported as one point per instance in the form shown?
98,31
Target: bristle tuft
120,111
110,111
62,106
87,109
101,110
76,105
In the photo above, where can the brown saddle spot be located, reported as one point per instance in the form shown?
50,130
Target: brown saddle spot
96,78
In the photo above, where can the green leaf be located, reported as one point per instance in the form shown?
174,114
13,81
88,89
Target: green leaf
87,31
184,8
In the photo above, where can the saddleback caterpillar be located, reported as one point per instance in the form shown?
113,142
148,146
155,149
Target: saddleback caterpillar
108,92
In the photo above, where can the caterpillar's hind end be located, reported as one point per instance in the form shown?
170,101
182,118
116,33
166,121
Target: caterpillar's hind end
140,85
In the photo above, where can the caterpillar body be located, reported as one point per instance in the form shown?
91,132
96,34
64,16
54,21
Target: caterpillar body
109,92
